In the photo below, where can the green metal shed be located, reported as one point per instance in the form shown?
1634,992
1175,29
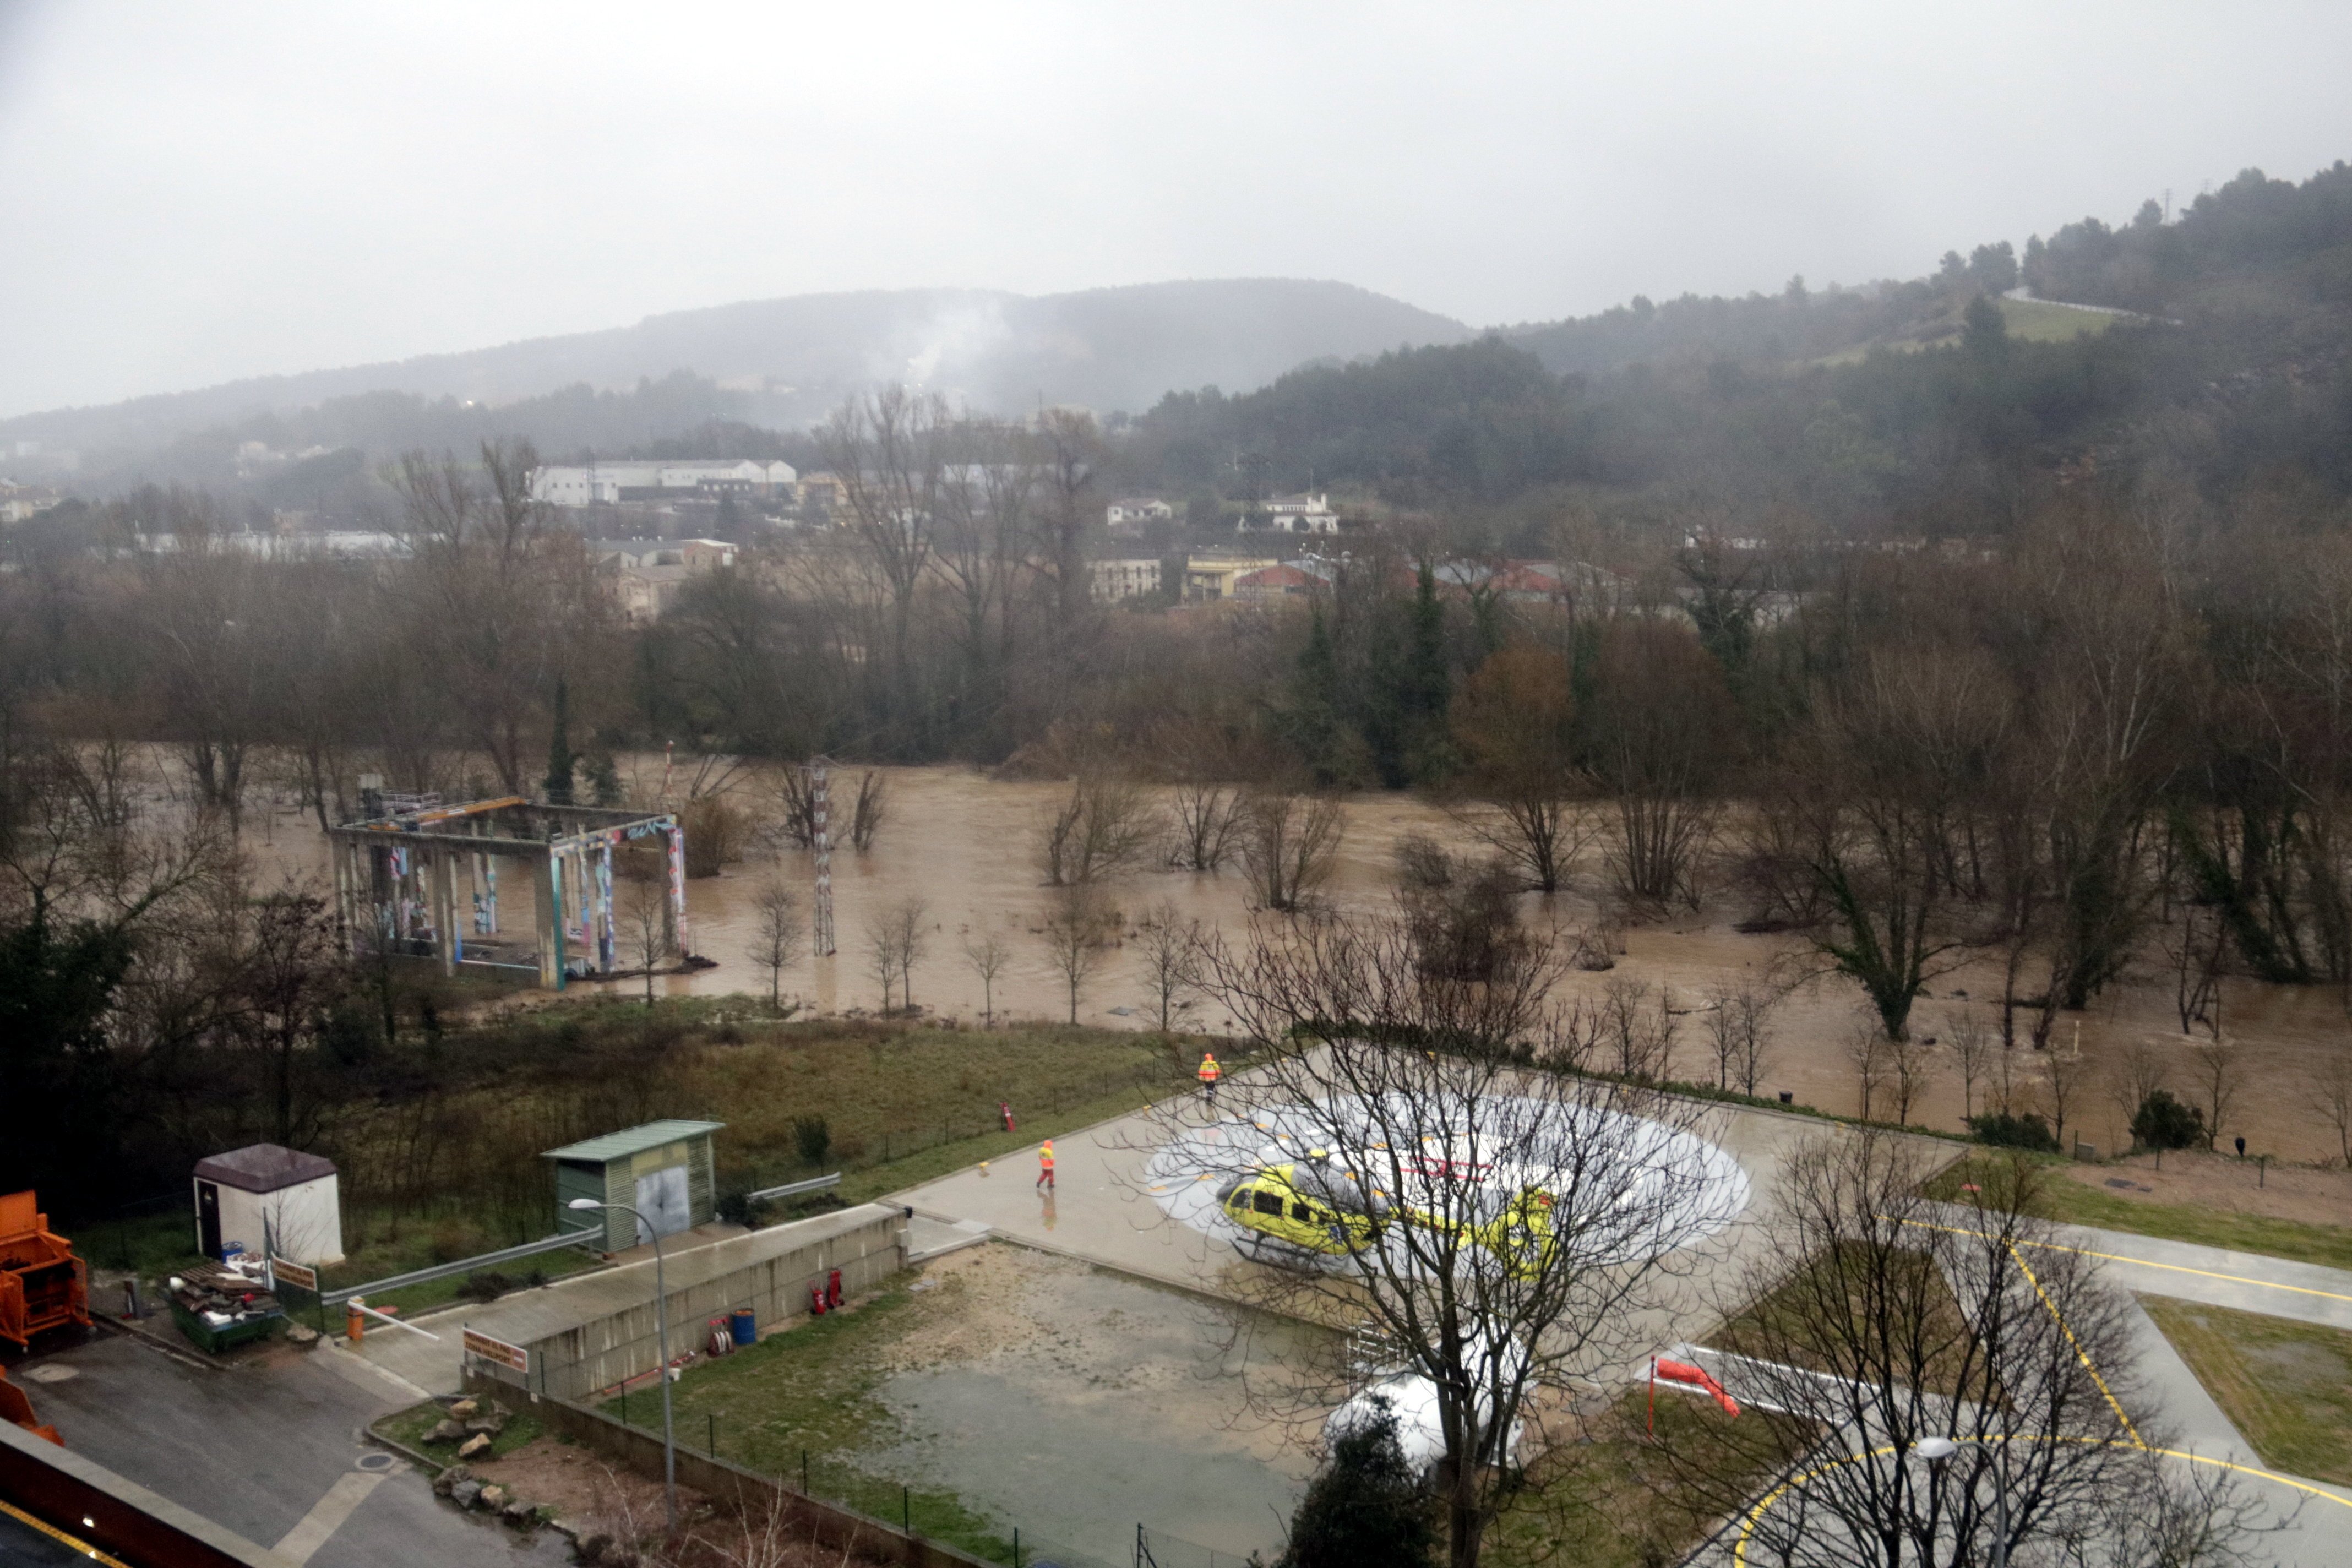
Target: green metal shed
662,1169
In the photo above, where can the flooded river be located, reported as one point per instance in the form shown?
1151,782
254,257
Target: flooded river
967,845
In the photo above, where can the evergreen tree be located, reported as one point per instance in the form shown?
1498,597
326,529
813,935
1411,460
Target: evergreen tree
560,754
1314,715
1365,1509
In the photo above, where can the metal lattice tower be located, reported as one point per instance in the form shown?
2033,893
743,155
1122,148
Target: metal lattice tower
821,840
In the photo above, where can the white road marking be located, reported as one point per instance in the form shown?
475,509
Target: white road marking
326,1515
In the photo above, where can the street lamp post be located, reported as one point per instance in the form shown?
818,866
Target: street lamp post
1936,1450
661,1328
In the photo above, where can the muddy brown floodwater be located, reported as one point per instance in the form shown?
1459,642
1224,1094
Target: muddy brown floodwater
967,845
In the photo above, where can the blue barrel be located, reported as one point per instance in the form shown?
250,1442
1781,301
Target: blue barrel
746,1331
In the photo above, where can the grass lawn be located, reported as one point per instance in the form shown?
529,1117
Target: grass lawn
2071,1202
1614,1502
408,1428
2287,1386
2040,322
802,1403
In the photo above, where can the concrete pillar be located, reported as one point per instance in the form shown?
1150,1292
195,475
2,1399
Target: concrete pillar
550,877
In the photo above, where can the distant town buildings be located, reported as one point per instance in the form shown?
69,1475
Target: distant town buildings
1111,581
1282,581
20,503
646,574
594,484
1208,578
1292,514
1134,511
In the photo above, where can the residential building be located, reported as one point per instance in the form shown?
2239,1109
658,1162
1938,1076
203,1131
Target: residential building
593,484
1280,582
1134,511
1210,577
1111,581
646,574
20,502
1292,514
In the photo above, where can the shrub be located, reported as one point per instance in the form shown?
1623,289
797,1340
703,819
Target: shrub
2163,1122
2003,1131
1365,1509
812,1138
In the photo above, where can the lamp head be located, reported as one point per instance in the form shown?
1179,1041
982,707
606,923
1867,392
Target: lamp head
583,1204
1934,1448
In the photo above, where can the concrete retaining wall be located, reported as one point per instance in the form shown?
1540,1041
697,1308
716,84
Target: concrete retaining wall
770,1271
730,1484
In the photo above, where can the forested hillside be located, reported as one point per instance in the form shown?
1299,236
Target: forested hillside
1931,406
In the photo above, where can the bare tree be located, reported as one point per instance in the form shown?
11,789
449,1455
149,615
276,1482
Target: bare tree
1641,1031
2134,1074
2220,1072
1737,1030
1204,824
1101,831
2065,1075
1865,1047
1289,845
1513,724
775,935
1973,1043
911,944
1172,961
2195,951
865,816
885,952
643,915
1478,1287
988,957
2331,1090
1871,1322
1911,1072
1077,931
1658,734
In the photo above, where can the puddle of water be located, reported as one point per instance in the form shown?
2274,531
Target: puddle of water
1129,1409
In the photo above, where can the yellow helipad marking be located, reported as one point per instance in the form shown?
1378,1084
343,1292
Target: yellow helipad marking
2144,1262
1747,1526
85,1548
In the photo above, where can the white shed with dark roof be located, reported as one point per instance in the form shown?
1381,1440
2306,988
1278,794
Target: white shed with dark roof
268,1197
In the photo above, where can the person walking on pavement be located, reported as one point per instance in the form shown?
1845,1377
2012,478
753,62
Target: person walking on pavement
1209,1073
1045,1166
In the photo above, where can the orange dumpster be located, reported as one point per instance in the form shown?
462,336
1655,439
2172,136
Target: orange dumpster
42,1285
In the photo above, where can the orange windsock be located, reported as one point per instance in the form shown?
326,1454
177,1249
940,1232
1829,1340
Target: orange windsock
1688,1376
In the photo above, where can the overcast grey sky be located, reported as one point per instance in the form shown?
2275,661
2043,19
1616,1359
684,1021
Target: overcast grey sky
196,193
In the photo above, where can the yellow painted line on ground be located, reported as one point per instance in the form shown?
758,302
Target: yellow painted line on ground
1747,1526
54,1534
2080,1354
2144,1262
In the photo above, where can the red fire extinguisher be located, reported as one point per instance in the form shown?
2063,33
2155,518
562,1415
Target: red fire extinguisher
833,1290
816,1300
1006,1110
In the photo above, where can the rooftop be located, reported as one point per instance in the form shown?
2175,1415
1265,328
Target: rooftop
263,1168
631,1140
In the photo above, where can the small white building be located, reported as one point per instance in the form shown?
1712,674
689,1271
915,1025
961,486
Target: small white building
267,1195
1134,511
1111,581
1294,514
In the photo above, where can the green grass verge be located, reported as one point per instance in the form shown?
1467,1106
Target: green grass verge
2040,322
2287,1386
1615,1501
2058,1197
407,1427
802,1402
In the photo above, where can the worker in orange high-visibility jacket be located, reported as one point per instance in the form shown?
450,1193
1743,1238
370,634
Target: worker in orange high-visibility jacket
1046,1165
1209,1073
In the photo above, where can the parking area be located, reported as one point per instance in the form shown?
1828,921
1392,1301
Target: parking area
274,1449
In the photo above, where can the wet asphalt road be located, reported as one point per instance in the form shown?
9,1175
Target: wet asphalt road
276,1454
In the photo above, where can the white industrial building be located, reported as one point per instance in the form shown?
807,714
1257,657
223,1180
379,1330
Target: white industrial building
1129,511
265,1196
594,483
1295,515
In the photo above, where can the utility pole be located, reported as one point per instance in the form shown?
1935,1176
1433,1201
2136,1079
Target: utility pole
821,841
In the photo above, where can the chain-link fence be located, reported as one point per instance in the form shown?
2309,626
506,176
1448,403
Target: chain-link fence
1157,1549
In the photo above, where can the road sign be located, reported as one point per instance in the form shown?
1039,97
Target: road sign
498,1351
281,1272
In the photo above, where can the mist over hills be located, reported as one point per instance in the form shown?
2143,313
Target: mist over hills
783,364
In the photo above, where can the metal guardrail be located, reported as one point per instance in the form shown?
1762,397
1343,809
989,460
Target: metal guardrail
555,1243
790,1189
